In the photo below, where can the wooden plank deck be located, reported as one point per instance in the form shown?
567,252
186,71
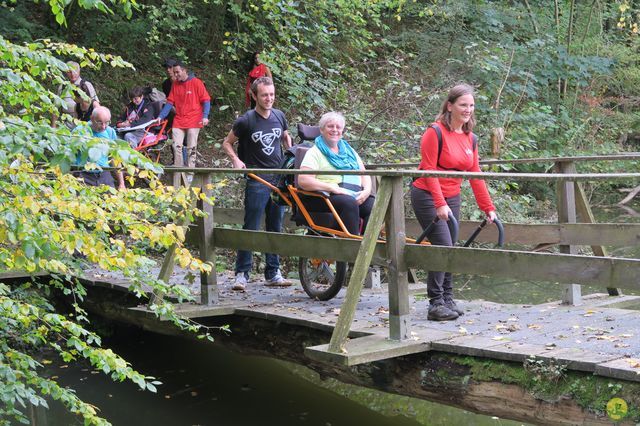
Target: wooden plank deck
595,337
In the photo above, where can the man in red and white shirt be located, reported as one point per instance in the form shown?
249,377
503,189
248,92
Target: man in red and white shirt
192,102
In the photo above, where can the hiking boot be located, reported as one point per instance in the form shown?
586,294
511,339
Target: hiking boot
278,281
240,282
439,312
449,303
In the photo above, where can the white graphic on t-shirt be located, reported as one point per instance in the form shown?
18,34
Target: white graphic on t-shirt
267,139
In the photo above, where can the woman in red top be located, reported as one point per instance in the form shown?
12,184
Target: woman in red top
431,196
258,70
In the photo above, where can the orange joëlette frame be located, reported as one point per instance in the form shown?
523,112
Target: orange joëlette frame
146,142
294,195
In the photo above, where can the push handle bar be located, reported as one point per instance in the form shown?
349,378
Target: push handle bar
452,223
481,226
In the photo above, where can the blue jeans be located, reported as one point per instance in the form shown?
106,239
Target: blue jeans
257,200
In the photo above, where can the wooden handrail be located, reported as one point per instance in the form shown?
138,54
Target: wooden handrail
578,159
556,177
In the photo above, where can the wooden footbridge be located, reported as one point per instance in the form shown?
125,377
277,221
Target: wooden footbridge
593,333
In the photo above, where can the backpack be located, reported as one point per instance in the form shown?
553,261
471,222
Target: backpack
157,96
85,88
289,163
83,85
439,135
154,95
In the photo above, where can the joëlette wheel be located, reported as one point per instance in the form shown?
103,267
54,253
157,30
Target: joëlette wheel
322,279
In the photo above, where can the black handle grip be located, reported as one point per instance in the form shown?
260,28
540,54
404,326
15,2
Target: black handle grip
454,229
475,233
481,226
500,231
452,223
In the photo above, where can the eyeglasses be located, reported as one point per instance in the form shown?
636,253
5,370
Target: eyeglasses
101,123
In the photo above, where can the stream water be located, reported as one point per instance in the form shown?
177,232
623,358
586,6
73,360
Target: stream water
206,385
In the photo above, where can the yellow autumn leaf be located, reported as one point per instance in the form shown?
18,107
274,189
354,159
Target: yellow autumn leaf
183,261
180,233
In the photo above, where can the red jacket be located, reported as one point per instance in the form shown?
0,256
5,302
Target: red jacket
457,153
188,98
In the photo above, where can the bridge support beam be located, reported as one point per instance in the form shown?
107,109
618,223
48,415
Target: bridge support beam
208,283
566,205
585,214
399,318
360,268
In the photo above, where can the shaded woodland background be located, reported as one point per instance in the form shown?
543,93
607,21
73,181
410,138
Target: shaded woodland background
558,77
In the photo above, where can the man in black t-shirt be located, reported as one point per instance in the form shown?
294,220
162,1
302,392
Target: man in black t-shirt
260,133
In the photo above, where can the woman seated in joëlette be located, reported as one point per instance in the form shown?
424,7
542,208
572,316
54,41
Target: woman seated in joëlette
349,194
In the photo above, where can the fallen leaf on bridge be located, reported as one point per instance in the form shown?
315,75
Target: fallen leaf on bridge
507,328
382,310
462,330
608,338
499,338
633,363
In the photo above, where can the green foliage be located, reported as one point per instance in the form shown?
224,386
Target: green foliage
52,223
172,24
58,7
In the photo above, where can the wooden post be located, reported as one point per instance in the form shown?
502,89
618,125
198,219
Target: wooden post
208,283
365,254
169,262
165,271
399,318
372,279
177,179
586,216
567,214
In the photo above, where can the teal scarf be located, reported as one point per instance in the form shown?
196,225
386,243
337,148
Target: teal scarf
345,159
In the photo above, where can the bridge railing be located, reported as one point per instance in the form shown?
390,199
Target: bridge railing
565,268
